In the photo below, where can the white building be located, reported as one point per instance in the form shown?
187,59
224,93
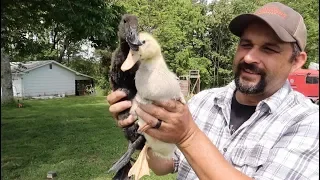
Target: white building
47,78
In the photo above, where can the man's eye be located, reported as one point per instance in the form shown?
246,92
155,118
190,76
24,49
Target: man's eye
245,45
270,50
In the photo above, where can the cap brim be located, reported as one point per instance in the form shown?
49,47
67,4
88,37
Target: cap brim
239,23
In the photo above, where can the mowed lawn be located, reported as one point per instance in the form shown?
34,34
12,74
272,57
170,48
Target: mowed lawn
74,136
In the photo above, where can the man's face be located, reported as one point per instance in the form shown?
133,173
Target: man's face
262,62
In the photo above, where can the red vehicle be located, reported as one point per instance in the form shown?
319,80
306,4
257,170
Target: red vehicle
306,81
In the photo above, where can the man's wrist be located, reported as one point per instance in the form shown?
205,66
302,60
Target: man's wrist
189,138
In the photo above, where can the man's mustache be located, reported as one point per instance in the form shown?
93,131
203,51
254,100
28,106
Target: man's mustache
251,67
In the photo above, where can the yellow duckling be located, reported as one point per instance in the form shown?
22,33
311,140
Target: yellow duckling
154,82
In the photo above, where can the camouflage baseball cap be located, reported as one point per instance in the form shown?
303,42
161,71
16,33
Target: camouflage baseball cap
287,23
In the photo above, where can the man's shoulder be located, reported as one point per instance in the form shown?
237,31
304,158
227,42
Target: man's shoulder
298,99
299,109
211,94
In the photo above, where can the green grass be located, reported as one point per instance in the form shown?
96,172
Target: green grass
74,136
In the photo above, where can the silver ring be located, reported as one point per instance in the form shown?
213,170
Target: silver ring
157,126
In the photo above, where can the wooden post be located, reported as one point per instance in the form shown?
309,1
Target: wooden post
190,84
195,74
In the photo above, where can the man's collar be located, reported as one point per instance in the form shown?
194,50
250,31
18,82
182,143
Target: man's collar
223,98
277,98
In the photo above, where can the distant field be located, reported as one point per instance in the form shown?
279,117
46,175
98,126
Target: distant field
74,136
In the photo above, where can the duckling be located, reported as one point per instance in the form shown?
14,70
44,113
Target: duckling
154,82
128,39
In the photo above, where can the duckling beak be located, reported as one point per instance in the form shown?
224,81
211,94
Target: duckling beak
133,39
131,60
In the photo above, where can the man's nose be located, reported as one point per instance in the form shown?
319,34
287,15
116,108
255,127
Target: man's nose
252,56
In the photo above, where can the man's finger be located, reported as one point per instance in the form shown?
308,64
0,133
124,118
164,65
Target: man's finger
119,107
157,133
115,96
144,128
169,105
147,118
155,111
126,122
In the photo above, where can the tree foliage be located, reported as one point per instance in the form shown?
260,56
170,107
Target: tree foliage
180,29
192,33
195,35
46,29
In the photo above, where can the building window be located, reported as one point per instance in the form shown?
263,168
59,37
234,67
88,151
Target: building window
50,66
312,80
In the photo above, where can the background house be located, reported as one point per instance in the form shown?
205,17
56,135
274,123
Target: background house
47,78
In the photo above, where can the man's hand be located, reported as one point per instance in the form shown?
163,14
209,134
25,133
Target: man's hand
179,128
117,107
177,124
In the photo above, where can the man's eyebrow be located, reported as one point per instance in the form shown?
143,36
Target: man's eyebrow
245,40
269,44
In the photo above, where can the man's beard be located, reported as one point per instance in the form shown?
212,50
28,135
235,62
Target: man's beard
250,89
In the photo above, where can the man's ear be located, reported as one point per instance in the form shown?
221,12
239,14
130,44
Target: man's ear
299,61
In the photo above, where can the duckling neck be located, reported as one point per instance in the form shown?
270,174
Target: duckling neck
124,46
154,63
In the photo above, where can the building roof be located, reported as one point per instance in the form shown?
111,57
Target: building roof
24,67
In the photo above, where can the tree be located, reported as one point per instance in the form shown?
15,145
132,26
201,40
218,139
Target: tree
222,43
180,29
46,29
6,79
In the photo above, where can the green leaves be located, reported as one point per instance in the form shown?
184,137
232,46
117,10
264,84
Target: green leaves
179,26
57,24
192,34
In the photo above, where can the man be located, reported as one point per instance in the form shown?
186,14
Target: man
257,126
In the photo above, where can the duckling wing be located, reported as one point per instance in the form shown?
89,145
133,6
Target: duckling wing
159,84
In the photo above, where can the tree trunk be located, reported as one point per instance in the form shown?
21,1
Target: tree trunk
6,79
64,48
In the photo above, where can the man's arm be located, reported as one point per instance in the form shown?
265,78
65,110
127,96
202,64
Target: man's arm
159,165
206,160
295,156
179,128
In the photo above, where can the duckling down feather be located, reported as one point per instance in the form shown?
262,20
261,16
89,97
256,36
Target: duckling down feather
154,82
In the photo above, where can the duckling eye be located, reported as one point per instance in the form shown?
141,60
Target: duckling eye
143,41
124,21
